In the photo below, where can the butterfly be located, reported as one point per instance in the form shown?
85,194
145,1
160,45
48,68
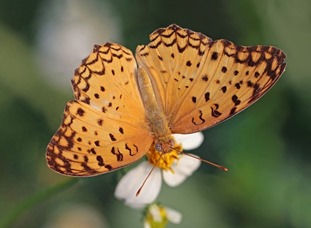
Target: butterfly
181,82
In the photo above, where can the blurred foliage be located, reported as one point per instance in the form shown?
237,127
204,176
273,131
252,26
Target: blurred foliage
266,148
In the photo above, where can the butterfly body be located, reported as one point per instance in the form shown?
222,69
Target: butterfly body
156,118
181,82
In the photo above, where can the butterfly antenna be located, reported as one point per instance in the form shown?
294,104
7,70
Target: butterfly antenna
142,185
208,162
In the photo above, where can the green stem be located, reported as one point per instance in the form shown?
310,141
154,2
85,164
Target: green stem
33,200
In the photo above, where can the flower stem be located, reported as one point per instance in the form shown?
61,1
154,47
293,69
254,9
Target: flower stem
33,200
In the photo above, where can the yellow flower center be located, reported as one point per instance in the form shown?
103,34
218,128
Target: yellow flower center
163,160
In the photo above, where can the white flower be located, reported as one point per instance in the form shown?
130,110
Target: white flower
159,216
131,182
181,167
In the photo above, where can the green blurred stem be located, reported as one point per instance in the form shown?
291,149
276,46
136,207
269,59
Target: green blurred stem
37,198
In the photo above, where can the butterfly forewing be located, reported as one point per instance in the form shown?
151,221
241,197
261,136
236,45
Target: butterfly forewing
167,60
102,129
201,82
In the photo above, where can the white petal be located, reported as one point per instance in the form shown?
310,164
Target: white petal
190,141
183,168
155,212
146,225
129,184
186,164
173,216
173,179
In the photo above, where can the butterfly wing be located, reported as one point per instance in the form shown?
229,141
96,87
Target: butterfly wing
103,128
200,82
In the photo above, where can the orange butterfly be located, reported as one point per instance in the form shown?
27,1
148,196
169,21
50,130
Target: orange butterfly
181,82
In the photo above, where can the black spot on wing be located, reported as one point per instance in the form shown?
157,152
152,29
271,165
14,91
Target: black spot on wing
224,89
205,78
115,151
100,160
214,56
194,99
100,122
235,100
80,112
214,111
232,111
207,96
201,120
112,137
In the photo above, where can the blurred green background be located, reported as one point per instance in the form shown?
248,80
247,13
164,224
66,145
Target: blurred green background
266,147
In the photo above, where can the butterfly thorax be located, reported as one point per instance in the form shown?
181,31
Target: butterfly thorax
158,124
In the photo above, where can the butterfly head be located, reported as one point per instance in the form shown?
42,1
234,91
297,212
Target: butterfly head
164,144
164,152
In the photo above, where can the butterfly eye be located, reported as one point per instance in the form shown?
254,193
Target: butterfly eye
158,146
